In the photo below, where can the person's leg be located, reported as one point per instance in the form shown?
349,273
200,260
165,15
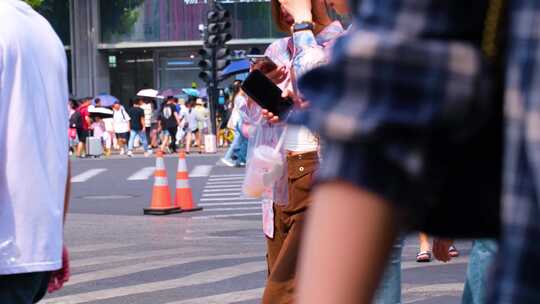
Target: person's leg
230,152
389,291
188,140
480,260
132,135
424,253
347,242
172,133
144,141
25,288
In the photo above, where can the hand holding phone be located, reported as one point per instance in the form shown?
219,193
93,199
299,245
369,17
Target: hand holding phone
263,63
266,94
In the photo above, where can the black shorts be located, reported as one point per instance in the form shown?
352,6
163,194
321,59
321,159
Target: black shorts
82,135
124,135
23,288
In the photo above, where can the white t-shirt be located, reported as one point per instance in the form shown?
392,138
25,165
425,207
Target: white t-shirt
121,120
147,108
33,96
300,139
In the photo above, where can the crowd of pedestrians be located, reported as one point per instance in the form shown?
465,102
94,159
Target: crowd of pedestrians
151,124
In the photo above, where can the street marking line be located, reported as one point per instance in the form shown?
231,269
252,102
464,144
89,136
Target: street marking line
222,194
204,277
231,209
223,190
201,171
136,268
226,298
228,204
219,179
97,247
88,174
239,182
223,186
205,217
130,256
227,199
226,175
142,174
440,288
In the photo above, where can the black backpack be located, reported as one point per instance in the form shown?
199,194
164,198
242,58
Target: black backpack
75,121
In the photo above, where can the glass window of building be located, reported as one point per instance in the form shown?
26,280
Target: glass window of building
57,13
178,20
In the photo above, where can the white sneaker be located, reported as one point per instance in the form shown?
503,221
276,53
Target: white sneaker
227,162
147,153
122,151
130,154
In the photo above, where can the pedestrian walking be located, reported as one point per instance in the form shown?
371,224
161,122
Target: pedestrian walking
169,120
148,109
82,124
393,38
35,178
192,130
73,122
137,127
121,126
236,154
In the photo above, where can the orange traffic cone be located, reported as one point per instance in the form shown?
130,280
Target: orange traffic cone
161,195
184,196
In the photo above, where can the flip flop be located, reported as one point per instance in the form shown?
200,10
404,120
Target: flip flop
423,257
453,252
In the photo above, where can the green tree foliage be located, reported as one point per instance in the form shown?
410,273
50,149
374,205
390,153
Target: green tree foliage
34,3
119,16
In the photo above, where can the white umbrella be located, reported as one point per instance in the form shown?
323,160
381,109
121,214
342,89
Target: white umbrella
100,112
148,93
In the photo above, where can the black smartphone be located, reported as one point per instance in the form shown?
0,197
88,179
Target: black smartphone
266,94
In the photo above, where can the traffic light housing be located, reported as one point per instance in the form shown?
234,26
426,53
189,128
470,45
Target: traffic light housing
215,55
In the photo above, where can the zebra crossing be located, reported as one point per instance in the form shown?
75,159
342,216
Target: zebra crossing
146,173
224,193
220,195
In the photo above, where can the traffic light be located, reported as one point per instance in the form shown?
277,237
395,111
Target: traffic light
212,58
214,54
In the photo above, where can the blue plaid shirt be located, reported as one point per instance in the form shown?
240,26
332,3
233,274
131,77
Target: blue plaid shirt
405,54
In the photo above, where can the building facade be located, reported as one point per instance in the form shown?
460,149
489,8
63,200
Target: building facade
121,46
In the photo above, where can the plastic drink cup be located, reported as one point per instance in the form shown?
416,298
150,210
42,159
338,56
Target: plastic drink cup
263,169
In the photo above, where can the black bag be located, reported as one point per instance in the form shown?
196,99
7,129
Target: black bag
75,121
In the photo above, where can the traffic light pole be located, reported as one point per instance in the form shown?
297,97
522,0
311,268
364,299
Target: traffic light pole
212,93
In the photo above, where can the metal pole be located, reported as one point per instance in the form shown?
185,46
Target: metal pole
212,92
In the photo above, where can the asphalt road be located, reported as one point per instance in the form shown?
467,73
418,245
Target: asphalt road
118,255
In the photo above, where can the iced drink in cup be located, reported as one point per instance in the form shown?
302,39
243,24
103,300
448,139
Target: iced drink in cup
263,169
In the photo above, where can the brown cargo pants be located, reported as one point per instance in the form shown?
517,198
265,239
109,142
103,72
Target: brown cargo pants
282,250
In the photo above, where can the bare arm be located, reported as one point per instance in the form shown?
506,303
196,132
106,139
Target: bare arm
68,191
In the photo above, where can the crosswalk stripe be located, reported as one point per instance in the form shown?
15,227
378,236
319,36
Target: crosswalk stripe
225,298
97,260
231,209
218,179
222,194
146,266
222,186
228,204
88,174
200,171
142,174
228,199
226,175
205,277
223,190
237,182
205,217
97,247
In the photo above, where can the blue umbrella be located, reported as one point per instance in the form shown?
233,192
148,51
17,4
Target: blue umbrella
106,99
191,92
236,67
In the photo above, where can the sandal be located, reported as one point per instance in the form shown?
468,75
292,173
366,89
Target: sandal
423,257
453,252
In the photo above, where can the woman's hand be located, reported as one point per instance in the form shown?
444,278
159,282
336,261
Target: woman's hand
300,10
276,75
298,101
